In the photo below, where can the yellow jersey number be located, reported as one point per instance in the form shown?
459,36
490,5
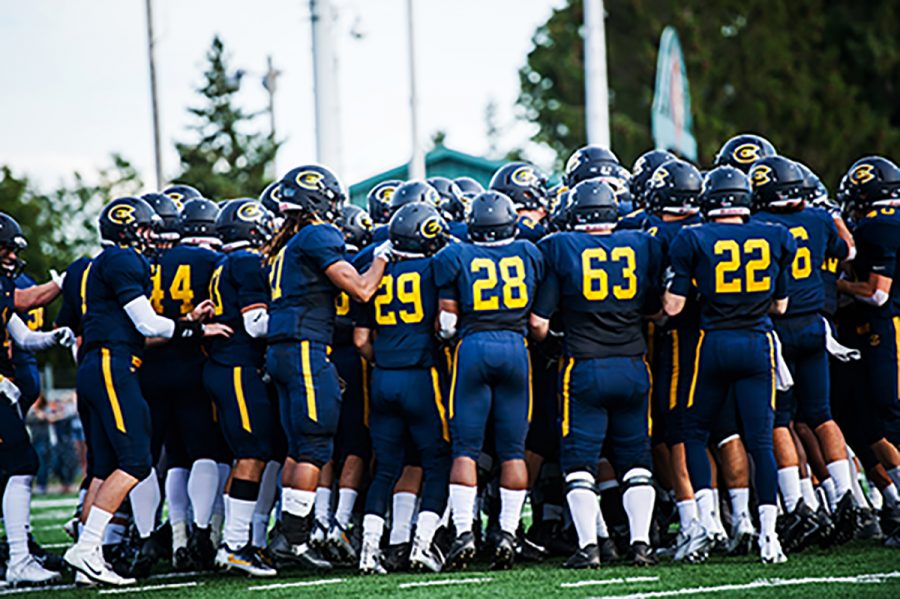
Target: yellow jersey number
739,271
407,289
514,290
802,266
214,293
342,304
179,290
594,276
275,269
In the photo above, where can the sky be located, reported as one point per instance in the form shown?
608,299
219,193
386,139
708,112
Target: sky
76,80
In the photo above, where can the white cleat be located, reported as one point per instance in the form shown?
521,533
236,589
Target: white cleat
28,572
319,535
770,550
425,558
693,544
744,536
246,559
370,559
89,561
339,540
83,581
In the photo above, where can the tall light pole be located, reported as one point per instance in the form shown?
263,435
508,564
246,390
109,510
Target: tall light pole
270,83
596,92
325,77
417,160
154,103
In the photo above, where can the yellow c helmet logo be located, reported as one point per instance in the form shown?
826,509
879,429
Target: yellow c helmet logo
122,214
310,180
364,221
386,192
177,202
746,153
524,176
573,161
431,227
759,175
249,212
176,197
862,174
432,197
659,177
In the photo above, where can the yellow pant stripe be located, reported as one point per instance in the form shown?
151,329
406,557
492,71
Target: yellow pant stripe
106,366
241,401
439,403
365,390
897,347
530,384
453,381
308,381
673,382
649,395
696,369
567,376
84,279
771,341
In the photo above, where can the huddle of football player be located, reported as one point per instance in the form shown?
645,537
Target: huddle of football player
663,361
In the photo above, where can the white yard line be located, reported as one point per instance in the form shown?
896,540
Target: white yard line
765,583
442,582
51,515
59,587
588,583
64,502
156,587
290,585
57,545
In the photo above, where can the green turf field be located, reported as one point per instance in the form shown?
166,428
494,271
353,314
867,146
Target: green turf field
858,569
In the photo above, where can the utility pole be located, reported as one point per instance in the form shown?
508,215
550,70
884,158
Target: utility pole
325,83
270,82
417,160
154,103
596,91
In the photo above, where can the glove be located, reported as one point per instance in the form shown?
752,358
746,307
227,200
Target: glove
9,390
57,278
384,250
64,337
447,321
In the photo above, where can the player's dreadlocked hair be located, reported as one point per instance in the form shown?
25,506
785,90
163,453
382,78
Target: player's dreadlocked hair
294,221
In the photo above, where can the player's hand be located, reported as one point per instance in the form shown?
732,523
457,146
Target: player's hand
57,278
217,330
9,390
204,310
64,337
384,251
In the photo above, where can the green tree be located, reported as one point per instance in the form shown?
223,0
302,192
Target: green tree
813,76
227,159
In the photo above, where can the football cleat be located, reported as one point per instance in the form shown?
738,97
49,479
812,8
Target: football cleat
370,559
341,545
462,552
396,557
607,549
47,560
844,519
826,527
83,581
149,553
28,572
202,553
642,554
692,545
424,557
588,557
319,536
868,527
798,528
244,559
744,536
89,561
285,554
890,520
504,551
770,550
528,550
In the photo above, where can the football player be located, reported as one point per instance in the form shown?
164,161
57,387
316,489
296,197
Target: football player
453,205
527,188
487,287
742,150
378,202
740,269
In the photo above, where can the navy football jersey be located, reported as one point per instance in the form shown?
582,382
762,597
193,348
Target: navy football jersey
459,231
494,285
530,229
302,296
602,285
380,233
877,237
7,309
829,284
738,270
116,277
666,232
817,239
346,313
70,311
639,220
403,312
238,284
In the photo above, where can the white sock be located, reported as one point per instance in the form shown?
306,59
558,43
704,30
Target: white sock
638,502
809,493
740,503
841,475
705,509
687,512
373,529
717,513
828,486
82,493
92,533
237,525
177,497
323,506
344,511
296,502
402,511
891,498
268,487
602,528
462,504
144,502
859,497
17,516
426,525
202,487
584,509
789,483
511,502
767,516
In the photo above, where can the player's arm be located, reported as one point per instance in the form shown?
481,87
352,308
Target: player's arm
673,303
37,296
362,339
677,280
32,341
150,324
538,326
360,287
875,291
252,295
844,233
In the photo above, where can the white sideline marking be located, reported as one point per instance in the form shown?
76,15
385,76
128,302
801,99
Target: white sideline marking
59,587
766,583
64,502
288,585
57,545
156,587
437,583
51,515
587,583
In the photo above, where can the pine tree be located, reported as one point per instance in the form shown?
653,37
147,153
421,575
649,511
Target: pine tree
229,159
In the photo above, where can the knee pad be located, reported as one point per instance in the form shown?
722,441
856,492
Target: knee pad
637,477
580,480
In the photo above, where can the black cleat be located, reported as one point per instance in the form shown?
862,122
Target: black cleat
588,557
462,552
797,528
607,550
844,519
395,558
868,528
825,538
504,551
642,554
200,549
146,557
890,520
527,550
286,555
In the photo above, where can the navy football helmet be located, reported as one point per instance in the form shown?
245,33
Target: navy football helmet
181,193
492,217
590,162
378,200
592,205
642,171
12,241
741,151
674,188
356,225
169,213
244,220
313,190
872,181
414,191
128,221
198,219
726,192
523,183
777,182
417,229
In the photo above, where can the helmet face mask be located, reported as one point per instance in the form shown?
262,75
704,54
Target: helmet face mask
12,241
871,181
129,222
243,222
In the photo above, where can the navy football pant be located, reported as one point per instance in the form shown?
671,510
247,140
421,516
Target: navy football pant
408,404
803,348
28,380
672,367
605,399
352,436
881,363
17,456
742,362
543,432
